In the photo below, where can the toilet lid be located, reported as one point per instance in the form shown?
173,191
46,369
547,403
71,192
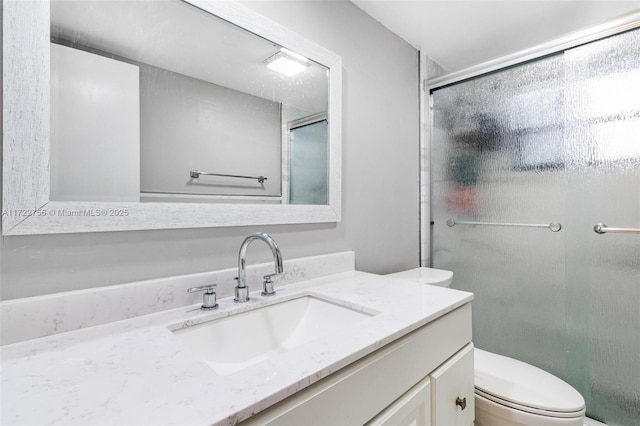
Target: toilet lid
512,382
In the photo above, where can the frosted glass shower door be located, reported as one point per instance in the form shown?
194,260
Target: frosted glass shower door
602,136
555,140
497,157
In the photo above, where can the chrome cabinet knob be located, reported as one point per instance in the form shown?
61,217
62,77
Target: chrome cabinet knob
208,298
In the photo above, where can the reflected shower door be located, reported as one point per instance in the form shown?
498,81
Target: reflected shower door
555,140
308,165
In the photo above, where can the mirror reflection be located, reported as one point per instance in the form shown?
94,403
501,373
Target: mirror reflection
161,101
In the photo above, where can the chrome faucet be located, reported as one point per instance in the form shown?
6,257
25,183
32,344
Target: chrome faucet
242,291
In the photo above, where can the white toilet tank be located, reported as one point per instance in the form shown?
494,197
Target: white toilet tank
430,276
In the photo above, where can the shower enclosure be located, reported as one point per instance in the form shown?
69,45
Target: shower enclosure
525,161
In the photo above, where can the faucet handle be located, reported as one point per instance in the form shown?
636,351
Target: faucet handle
275,274
208,298
267,285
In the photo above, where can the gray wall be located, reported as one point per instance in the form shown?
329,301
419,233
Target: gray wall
380,180
189,124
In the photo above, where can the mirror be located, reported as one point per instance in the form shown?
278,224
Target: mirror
164,114
165,105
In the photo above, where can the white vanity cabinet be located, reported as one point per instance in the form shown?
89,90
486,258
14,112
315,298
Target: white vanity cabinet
414,380
444,398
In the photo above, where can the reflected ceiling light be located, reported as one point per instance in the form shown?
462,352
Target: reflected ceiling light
286,62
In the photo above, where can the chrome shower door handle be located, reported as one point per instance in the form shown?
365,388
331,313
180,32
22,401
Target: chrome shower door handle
601,228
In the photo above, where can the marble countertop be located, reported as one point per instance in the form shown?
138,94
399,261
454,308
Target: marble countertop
136,371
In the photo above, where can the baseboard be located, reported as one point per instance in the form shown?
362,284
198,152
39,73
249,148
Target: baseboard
591,422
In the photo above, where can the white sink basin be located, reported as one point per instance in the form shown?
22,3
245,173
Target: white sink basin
238,341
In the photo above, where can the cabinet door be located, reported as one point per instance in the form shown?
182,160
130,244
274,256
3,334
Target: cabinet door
411,409
452,391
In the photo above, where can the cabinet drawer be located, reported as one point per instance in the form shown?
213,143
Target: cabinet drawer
452,391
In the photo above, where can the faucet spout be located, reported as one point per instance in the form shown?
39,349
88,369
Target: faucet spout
242,291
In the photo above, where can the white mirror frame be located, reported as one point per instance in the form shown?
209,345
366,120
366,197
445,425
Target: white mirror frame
27,208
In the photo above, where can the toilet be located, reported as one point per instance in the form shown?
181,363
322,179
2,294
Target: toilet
509,392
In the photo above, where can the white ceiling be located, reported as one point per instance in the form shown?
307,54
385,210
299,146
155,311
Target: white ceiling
181,38
459,34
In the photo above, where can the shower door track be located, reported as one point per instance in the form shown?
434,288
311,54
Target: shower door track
626,22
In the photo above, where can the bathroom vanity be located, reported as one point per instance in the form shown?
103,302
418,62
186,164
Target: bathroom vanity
412,381
347,348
